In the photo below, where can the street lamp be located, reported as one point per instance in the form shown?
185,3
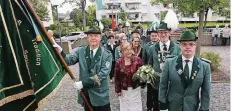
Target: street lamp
56,4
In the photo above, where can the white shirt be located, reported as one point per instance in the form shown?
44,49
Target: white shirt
94,51
162,45
190,63
112,45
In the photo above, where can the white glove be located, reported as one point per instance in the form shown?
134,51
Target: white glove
79,85
58,47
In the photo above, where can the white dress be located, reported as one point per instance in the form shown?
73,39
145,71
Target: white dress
131,100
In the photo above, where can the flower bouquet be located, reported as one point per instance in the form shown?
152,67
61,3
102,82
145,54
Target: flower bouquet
146,74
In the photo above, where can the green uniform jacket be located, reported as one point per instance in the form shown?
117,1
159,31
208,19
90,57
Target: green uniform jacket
104,39
178,97
101,65
173,48
118,53
146,56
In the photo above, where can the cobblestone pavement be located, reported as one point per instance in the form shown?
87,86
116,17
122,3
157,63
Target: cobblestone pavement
66,97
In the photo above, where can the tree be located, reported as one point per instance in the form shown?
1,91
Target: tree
191,6
106,22
91,14
54,14
220,5
76,15
123,15
224,12
40,7
81,4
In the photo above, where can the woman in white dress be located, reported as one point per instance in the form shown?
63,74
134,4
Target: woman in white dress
129,92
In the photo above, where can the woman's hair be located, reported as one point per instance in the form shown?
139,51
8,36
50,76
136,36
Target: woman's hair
117,36
122,35
125,46
135,35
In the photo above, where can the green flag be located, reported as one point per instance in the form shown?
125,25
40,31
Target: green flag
30,71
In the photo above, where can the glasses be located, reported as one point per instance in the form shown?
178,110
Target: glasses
184,44
136,41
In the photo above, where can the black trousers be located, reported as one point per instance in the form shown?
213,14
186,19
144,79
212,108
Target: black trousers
95,108
112,70
224,41
152,99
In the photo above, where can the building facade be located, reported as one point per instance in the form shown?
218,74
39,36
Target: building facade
137,10
143,11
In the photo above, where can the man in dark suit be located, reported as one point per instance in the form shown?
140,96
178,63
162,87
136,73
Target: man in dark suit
111,46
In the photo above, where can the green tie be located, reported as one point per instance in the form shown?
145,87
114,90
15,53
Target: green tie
186,71
91,54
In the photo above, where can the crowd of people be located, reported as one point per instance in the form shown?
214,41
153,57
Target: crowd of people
114,57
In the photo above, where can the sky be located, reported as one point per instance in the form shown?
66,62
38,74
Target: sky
66,7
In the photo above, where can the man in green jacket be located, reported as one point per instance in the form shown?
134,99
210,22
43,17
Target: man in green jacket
182,78
95,65
154,39
159,52
152,101
105,35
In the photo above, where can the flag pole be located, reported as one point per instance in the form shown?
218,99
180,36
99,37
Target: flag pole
49,39
57,52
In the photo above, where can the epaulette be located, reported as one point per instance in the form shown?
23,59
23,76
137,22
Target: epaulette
206,60
150,43
107,50
80,46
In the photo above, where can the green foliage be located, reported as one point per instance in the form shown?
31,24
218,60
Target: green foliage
76,16
65,30
123,15
81,4
214,58
208,25
91,15
188,7
106,22
54,14
40,7
224,12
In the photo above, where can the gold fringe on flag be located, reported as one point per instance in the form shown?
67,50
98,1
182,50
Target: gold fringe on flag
16,96
39,38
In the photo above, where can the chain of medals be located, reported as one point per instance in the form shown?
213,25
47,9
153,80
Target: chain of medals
162,55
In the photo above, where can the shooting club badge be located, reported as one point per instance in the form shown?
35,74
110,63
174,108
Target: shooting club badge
107,64
180,71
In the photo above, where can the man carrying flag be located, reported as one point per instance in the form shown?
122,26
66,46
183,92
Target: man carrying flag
95,66
30,69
